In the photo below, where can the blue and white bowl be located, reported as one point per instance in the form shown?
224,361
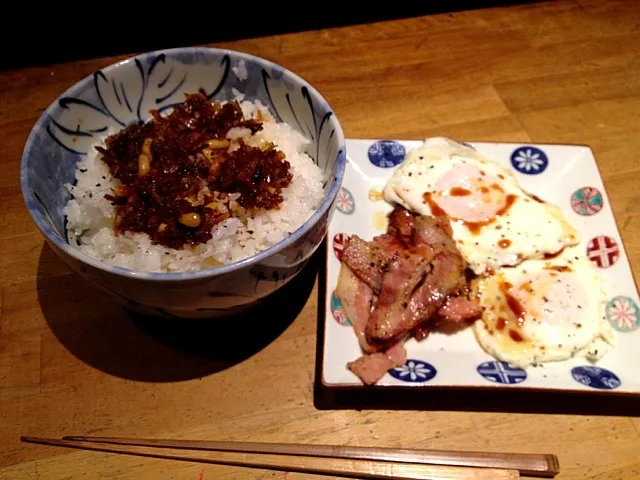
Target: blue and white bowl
123,93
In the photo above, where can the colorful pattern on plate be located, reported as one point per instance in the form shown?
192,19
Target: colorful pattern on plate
501,372
573,182
337,310
623,314
603,251
338,244
586,201
345,202
386,153
414,371
596,377
529,160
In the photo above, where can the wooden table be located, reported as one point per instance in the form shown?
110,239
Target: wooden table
70,362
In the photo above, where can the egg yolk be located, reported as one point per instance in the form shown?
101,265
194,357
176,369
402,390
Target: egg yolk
553,296
549,297
469,194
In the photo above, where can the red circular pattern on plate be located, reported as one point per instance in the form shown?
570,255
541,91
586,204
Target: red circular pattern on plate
338,244
603,251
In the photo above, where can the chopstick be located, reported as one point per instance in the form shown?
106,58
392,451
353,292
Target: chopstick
338,467
545,465
525,463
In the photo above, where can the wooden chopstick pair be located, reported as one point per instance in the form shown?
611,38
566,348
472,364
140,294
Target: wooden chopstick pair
363,462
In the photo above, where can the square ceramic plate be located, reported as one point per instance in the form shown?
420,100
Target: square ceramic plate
562,174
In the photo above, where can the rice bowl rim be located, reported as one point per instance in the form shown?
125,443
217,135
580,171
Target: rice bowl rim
68,249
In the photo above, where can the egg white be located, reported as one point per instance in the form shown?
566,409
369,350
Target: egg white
528,229
560,311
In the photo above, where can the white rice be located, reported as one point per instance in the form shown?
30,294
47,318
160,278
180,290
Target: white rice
90,216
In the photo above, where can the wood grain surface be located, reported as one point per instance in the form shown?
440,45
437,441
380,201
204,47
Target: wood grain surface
72,363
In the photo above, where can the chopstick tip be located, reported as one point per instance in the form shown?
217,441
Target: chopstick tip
28,439
41,440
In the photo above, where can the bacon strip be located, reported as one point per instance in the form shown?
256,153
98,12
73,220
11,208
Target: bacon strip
401,283
443,278
459,309
366,260
371,368
356,297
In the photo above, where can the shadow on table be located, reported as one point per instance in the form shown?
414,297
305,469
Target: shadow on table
475,400
149,349
459,399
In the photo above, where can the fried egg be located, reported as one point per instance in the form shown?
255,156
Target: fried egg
495,222
544,311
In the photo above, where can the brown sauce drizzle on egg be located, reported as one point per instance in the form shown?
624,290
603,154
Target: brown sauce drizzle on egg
476,227
512,302
435,208
459,192
559,268
518,312
493,186
515,336
510,201
527,287
515,306
548,256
